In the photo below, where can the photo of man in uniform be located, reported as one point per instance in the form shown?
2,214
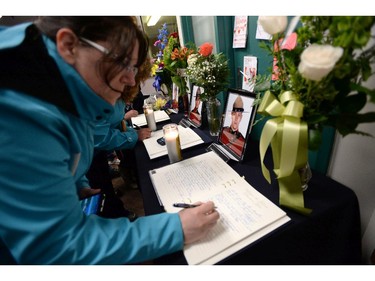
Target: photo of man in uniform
196,107
230,135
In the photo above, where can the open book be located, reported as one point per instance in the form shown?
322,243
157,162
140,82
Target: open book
188,138
245,214
140,120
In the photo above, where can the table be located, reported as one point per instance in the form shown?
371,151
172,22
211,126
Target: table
331,235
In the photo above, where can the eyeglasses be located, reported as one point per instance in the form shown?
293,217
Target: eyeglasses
104,50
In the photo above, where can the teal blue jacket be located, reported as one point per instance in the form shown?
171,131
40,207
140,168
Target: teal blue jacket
45,152
107,135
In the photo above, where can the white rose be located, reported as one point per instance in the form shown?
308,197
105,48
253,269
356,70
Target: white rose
272,24
318,60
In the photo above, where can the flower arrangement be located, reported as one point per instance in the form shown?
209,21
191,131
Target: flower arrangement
160,103
175,61
317,78
324,70
161,76
208,70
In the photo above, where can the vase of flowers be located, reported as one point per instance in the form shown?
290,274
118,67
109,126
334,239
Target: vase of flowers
316,81
211,72
213,111
175,61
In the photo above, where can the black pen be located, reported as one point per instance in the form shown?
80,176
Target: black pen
136,126
185,205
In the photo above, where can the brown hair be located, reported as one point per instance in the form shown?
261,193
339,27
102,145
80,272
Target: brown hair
122,32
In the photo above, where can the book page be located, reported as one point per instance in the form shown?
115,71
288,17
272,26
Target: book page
243,210
140,120
188,138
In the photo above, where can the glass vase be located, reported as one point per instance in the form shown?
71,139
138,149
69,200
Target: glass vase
305,175
213,109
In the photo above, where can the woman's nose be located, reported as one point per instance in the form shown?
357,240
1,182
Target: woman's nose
127,78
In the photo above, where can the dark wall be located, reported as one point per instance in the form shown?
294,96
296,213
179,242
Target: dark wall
13,20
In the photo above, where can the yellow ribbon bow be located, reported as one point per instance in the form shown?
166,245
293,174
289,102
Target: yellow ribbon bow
287,134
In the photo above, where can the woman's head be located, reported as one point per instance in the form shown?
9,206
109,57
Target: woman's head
144,72
112,67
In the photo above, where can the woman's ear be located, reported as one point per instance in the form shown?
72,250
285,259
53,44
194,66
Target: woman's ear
67,42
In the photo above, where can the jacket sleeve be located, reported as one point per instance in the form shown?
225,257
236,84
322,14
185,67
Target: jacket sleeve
107,137
41,217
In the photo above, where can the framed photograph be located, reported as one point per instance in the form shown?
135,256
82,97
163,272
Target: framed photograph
238,120
195,109
175,94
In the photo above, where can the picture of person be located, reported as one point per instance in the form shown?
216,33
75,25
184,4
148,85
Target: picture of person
231,135
175,97
196,107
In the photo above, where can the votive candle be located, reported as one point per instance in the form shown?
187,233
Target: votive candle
172,140
150,117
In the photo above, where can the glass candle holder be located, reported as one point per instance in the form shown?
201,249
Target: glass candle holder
150,116
172,141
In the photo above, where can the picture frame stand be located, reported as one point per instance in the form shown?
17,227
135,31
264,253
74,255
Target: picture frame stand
219,151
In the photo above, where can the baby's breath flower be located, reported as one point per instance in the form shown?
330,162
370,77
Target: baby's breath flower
210,71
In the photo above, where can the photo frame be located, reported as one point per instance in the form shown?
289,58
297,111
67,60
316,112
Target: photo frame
175,95
239,116
195,107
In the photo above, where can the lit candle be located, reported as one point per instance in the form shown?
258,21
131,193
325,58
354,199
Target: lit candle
150,117
172,140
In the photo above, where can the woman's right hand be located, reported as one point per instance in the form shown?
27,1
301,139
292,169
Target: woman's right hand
143,133
197,222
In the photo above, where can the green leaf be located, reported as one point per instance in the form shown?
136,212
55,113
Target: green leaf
353,103
366,117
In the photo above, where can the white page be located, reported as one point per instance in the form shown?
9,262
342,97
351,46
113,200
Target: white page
188,138
243,210
160,115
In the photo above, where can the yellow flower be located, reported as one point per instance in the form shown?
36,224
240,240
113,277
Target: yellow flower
159,103
153,69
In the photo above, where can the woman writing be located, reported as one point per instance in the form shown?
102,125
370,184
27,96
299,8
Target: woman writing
58,76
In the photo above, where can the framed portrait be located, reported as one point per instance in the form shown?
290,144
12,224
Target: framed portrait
195,109
239,116
175,95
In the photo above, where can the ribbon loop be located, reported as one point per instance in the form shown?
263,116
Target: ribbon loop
287,134
294,109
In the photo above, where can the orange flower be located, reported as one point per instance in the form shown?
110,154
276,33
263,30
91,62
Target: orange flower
175,54
183,52
206,49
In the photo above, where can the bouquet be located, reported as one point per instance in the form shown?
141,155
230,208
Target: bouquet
208,70
163,80
175,61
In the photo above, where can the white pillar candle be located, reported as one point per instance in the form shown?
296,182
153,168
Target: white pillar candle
172,140
150,117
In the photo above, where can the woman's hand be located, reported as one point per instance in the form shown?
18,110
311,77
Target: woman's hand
197,222
143,133
131,113
86,192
